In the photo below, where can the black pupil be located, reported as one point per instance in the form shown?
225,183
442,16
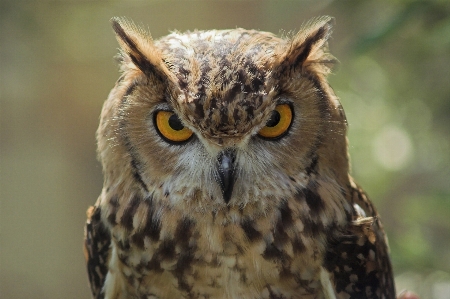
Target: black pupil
175,123
274,119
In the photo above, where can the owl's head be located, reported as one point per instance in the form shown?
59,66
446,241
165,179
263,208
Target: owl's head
209,119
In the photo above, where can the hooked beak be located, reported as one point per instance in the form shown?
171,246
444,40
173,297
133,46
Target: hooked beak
225,169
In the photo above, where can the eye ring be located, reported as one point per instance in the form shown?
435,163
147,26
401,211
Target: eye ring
279,123
170,127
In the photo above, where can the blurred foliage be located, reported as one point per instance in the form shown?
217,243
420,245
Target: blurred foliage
56,69
396,91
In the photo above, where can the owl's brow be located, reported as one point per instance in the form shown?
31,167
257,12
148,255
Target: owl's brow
283,99
163,106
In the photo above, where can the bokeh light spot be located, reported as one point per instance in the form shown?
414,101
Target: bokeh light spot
392,148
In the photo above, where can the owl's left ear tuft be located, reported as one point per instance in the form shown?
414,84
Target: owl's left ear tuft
138,50
309,48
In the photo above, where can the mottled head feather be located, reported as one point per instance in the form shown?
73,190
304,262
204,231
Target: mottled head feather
222,78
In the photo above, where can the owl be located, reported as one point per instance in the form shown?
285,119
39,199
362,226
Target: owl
226,173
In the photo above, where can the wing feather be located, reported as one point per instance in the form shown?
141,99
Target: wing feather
358,257
96,250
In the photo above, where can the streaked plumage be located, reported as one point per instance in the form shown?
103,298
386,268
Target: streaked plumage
226,174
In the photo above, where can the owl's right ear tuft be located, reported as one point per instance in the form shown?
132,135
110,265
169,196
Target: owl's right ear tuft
138,50
309,48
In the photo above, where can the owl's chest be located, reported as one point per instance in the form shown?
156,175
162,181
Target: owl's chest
214,259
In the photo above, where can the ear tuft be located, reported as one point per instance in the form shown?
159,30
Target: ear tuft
138,49
309,47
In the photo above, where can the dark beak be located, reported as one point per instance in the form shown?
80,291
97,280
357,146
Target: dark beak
225,177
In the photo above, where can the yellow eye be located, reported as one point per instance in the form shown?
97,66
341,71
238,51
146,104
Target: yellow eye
169,126
278,123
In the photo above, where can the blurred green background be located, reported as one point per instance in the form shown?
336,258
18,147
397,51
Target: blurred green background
56,70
